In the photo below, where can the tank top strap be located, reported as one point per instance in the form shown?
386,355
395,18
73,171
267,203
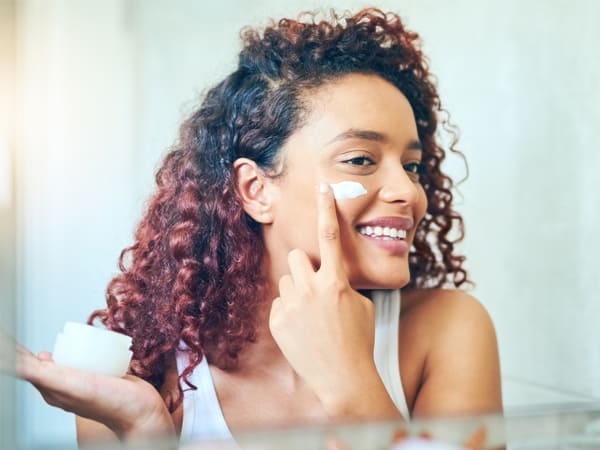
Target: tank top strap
387,326
202,414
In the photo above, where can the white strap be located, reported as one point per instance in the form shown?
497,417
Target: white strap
387,327
203,417
202,414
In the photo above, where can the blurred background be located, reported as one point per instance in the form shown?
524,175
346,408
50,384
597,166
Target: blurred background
91,95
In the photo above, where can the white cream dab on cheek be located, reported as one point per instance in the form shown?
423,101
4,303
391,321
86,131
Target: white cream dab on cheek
347,190
92,349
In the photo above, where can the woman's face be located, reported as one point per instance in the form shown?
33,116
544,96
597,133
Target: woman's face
360,128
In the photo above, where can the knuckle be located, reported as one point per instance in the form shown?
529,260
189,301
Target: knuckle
295,258
295,254
329,232
336,286
305,291
274,316
305,295
284,281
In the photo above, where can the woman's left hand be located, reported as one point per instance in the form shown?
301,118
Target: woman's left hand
325,328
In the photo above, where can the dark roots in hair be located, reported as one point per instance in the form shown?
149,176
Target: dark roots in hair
193,276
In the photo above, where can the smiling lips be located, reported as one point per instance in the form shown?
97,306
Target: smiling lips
383,233
388,232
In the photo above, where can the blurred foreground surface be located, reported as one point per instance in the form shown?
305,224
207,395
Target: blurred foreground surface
564,427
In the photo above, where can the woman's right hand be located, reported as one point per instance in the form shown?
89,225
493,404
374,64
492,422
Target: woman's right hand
129,406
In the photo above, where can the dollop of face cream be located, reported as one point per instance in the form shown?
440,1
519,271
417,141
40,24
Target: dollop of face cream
347,189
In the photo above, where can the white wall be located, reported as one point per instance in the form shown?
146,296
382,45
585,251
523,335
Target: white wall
7,214
77,202
105,85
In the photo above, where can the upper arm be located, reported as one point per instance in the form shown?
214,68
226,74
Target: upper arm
461,373
89,431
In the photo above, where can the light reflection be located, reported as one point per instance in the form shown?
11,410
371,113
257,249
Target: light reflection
5,175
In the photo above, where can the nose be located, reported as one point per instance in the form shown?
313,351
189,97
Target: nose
398,187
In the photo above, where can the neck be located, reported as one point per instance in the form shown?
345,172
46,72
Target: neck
263,356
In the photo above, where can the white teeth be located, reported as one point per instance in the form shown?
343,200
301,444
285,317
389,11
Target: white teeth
383,232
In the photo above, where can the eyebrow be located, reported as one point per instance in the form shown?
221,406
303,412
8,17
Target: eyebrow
370,135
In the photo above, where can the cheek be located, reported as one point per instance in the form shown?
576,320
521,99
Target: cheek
348,211
301,217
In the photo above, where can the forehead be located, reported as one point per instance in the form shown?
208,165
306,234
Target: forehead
360,102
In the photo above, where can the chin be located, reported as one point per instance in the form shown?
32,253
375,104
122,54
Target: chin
395,282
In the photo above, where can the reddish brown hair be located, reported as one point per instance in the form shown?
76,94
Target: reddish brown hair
193,274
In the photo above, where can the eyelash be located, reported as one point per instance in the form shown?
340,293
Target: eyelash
413,169
362,159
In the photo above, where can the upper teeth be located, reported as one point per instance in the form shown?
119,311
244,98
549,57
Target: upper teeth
383,231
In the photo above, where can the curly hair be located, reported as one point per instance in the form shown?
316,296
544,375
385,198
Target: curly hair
193,277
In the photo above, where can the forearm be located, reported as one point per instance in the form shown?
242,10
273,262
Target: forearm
360,396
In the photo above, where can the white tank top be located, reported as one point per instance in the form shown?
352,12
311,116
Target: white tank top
202,415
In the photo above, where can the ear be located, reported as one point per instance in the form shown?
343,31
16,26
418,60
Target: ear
253,190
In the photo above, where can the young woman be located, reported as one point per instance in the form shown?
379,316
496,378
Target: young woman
253,296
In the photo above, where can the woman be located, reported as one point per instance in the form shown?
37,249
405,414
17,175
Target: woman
249,286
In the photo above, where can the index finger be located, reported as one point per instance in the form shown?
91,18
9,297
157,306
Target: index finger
330,246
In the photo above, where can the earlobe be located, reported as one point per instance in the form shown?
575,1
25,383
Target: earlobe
253,190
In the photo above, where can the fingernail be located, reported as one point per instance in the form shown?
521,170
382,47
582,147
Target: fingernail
323,188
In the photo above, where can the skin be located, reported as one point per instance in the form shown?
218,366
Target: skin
314,350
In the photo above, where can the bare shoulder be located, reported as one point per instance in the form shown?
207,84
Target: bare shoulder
460,370
444,298
445,310
449,321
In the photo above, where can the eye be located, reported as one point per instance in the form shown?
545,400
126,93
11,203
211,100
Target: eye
360,161
416,168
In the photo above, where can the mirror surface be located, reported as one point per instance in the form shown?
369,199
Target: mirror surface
103,86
